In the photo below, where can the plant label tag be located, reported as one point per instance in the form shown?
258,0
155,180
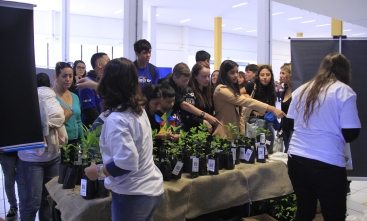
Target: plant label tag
268,142
248,154
233,154
211,163
242,153
177,168
257,144
83,187
261,153
162,160
195,165
192,157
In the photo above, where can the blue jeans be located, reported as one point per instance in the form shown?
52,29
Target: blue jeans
11,174
134,207
36,175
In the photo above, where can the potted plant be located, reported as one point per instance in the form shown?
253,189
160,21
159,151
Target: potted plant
176,158
213,163
235,142
90,152
68,171
248,153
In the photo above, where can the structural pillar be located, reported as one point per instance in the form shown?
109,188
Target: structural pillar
133,26
152,24
217,42
336,27
264,32
65,30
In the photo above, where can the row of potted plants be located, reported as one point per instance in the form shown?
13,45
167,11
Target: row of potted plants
75,158
198,153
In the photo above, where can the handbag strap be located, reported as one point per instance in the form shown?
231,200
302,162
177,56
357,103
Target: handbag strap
253,91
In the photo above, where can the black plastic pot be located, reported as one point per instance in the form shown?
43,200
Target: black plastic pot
203,170
91,191
63,168
220,158
252,158
242,153
178,176
102,192
259,157
70,177
237,152
186,166
166,170
216,166
80,174
193,174
228,161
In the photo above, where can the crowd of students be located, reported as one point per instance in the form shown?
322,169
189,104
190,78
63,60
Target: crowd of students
131,100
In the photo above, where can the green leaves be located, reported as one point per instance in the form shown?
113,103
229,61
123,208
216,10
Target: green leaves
283,208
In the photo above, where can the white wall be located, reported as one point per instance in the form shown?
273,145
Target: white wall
91,31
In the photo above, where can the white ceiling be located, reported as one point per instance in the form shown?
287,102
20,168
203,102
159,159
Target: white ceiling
202,13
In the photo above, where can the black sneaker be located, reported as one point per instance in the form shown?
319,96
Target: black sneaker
12,213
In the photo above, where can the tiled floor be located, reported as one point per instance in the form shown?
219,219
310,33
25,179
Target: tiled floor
357,200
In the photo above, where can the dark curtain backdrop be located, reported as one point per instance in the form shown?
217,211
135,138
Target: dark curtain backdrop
306,57
20,119
356,52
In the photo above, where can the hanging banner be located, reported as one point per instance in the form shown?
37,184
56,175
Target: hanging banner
20,125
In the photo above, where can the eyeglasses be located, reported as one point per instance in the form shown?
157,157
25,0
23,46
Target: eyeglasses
80,68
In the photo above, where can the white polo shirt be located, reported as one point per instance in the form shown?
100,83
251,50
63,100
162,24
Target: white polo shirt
322,138
126,139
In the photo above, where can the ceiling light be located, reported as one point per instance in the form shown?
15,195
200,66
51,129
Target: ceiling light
237,29
294,18
251,31
223,24
157,15
235,6
278,13
359,34
322,25
308,21
119,11
348,30
186,20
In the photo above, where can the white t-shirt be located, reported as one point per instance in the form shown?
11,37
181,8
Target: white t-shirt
322,138
126,139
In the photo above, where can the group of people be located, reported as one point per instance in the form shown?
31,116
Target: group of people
130,99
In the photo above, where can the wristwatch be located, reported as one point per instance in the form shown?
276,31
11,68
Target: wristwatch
202,114
100,171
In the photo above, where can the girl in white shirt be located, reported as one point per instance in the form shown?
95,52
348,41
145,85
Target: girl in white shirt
126,143
325,118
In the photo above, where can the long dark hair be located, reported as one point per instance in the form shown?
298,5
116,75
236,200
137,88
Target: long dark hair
74,70
151,92
334,67
260,89
120,86
195,85
223,78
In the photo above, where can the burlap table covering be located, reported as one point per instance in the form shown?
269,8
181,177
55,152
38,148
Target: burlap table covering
188,198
